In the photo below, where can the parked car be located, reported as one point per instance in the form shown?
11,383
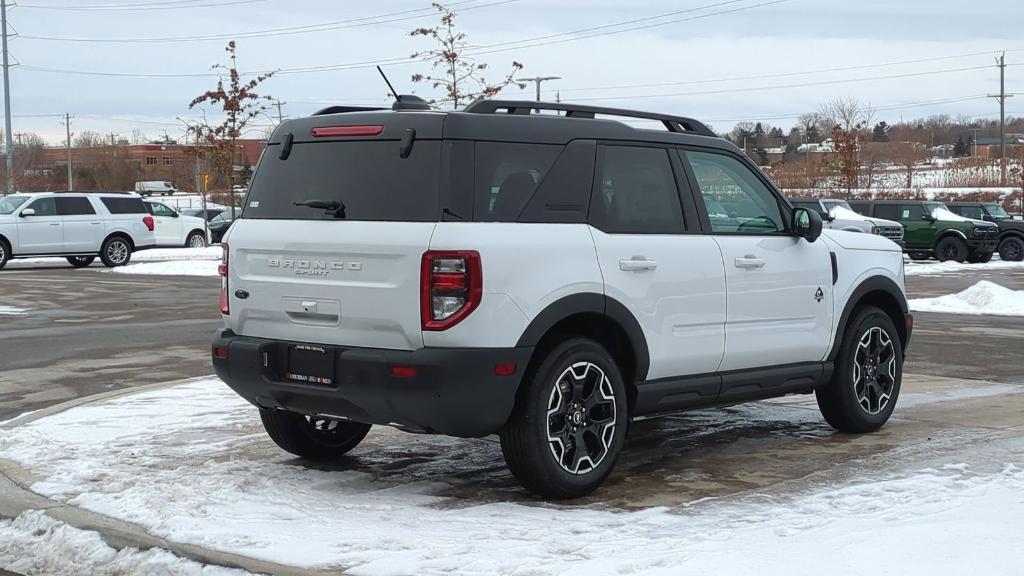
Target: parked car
150,187
930,229
838,215
175,229
78,226
547,278
219,226
208,214
1011,232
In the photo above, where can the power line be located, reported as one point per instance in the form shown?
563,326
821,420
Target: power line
304,29
485,49
180,4
922,103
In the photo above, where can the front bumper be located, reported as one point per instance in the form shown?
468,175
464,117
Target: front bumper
454,391
982,245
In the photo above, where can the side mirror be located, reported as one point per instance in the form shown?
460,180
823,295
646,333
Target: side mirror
806,224
27,212
174,214
830,216
928,217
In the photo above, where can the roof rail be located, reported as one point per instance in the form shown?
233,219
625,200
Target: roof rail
344,109
672,123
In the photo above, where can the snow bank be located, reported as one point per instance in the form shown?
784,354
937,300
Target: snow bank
984,298
191,464
34,543
153,255
171,268
12,311
933,267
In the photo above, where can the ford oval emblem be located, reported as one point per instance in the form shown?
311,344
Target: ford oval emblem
241,294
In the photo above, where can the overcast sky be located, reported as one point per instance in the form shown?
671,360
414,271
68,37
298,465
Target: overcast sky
704,57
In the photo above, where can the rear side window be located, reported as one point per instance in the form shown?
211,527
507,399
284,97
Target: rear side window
74,206
507,175
888,212
125,205
635,192
366,180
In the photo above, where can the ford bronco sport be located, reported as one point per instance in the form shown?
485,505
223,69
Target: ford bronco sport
546,277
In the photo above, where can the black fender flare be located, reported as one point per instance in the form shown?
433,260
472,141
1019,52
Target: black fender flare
868,285
590,302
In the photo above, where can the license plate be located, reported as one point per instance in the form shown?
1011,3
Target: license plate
310,364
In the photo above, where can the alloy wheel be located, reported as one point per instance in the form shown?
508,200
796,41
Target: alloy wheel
117,252
581,418
196,241
874,370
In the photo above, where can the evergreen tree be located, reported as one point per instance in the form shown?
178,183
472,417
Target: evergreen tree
881,132
960,149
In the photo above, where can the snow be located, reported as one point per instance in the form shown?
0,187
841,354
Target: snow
191,464
984,298
12,311
933,267
171,268
841,213
34,543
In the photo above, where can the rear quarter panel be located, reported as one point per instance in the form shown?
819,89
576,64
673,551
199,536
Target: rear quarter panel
526,267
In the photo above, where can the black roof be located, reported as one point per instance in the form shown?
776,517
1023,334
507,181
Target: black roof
883,202
509,121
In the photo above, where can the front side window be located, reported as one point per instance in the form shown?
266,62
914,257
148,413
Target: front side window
160,209
9,204
743,204
78,206
43,207
972,212
911,212
635,192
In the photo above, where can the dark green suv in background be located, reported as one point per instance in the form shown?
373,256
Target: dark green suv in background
1011,232
931,229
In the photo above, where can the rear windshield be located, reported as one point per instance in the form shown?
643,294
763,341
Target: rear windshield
365,180
124,205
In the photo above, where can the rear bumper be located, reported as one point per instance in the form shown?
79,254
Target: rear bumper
454,390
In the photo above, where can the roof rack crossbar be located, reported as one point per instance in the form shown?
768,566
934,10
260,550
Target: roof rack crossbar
672,123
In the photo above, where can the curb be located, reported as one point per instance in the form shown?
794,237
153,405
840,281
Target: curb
16,498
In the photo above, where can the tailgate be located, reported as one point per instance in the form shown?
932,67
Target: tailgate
326,282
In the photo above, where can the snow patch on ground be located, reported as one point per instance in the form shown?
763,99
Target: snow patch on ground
171,268
210,253
984,298
933,267
12,311
190,464
34,543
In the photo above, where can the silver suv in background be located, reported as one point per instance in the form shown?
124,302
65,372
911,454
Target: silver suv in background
838,215
78,226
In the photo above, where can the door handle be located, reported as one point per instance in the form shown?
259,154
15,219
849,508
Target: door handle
749,262
95,223
637,264
54,223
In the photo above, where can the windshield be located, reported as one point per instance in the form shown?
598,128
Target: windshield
996,211
222,217
9,204
830,204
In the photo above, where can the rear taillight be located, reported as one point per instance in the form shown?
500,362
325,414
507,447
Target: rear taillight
451,287
148,221
222,269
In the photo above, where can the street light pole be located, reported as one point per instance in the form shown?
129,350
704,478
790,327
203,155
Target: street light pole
7,100
538,81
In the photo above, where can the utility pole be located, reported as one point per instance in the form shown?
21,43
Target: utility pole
67,125
7,100
537,81
1002,96
280,115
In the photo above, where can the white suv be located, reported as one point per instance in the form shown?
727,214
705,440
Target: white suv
77,226
176,229
548,278
838,215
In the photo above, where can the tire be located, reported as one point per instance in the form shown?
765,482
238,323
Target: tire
311,437
81,261
918,256
116,251
195,239
1012,249
979,258
951,248
860,397
551,418
5,253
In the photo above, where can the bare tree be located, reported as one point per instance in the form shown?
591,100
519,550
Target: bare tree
240,104
456,71
848,113
89,139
